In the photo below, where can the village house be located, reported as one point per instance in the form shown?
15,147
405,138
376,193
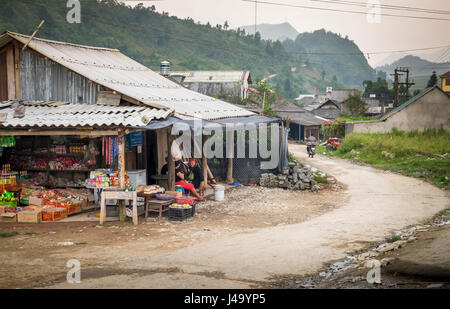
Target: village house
75,89
445,82
231,86
430,109
329,110
303,123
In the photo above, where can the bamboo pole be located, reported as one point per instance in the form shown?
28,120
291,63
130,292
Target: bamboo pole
32,36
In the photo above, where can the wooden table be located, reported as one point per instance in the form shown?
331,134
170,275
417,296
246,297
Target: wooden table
158,203
118,195
151,201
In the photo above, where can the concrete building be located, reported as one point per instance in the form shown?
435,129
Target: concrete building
231,86
428,109
445,82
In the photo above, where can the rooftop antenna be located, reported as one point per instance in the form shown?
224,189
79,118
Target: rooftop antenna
34,33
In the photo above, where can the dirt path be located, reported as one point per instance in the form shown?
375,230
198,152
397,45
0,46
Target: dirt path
379,202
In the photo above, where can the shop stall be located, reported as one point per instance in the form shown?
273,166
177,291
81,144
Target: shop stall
53,167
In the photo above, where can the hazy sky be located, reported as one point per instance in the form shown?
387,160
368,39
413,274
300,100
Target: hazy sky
392,33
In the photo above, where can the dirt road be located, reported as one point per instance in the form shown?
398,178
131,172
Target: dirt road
379,203
375,204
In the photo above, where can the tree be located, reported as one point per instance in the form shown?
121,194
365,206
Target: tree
269,49
226,25
257,37
433,80
379,88
356,105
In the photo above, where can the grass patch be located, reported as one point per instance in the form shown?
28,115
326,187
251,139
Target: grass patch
424,155
5,234
322,180
393,238
31,233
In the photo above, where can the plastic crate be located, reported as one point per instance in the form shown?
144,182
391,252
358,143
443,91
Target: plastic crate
179,214
193,208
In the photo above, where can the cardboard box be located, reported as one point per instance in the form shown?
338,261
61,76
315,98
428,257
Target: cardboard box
53,214
29,216
34,207
36,201
9,217
175,193
72,208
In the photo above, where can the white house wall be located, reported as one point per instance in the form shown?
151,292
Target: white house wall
430,111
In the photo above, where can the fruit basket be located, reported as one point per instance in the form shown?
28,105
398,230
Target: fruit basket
179,213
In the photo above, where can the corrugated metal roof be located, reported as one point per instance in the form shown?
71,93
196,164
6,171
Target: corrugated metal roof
112,69
75,115
213,76
341,95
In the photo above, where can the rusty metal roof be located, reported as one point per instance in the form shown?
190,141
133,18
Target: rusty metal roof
41,114
114,70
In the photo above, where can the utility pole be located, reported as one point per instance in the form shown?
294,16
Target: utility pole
256,14
395,87
397,82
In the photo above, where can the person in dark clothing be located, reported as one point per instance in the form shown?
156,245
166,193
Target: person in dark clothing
196,174
181,174
165,168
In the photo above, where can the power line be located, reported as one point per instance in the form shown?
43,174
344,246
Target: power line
385,6
344,11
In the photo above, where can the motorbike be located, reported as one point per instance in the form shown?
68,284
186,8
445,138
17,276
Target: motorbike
311,149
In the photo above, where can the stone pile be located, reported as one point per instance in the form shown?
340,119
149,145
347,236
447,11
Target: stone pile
292,177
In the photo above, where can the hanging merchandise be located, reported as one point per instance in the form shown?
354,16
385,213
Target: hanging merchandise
7,141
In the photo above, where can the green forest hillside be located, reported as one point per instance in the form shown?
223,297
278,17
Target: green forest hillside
333,56
150,37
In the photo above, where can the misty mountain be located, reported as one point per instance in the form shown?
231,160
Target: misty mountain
417,66
273,32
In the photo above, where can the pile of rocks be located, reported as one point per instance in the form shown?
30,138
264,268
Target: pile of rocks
292,177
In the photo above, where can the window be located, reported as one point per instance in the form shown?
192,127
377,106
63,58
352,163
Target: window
447,82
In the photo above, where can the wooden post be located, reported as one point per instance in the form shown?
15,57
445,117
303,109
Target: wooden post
121,166
102,208
230,154
171,163
204,164
34,33
135,213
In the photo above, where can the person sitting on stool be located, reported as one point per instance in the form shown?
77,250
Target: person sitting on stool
196,175
180,180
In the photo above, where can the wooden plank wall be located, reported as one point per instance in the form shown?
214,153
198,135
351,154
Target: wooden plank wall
43,79
3,77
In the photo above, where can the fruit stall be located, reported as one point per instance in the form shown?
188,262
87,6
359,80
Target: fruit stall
59,161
